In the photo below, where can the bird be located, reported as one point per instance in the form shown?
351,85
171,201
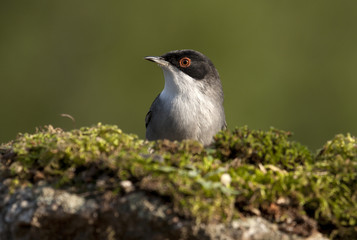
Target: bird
191,104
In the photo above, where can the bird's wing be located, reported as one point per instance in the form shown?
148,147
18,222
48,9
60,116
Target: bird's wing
148,118
149,114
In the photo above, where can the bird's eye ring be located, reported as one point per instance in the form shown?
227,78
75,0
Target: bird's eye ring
185,62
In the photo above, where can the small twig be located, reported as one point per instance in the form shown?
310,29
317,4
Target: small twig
70,117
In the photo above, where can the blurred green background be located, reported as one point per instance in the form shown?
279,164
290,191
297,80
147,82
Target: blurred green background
287,64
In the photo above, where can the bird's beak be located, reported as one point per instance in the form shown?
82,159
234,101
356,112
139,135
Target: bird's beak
158,60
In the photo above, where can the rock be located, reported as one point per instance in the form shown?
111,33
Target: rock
100,183
42,212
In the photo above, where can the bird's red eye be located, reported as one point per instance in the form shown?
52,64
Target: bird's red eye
185,62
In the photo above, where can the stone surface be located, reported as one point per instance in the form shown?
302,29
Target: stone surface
42,212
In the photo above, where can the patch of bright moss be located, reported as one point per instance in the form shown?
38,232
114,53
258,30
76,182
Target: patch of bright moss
270,175
266,166
181,171
333,184
257,146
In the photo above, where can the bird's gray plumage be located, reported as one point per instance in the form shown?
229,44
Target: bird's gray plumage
191,103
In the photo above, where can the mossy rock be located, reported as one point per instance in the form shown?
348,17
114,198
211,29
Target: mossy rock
244,172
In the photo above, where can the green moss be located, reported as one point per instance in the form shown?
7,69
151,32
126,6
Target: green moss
81,157
270,175
59,157
254,147
267,166
333,180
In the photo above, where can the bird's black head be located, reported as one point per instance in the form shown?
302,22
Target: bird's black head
193,63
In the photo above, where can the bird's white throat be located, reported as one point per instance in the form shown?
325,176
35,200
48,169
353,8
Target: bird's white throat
183,95
178,83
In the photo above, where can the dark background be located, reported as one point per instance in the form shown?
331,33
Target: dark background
291,65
